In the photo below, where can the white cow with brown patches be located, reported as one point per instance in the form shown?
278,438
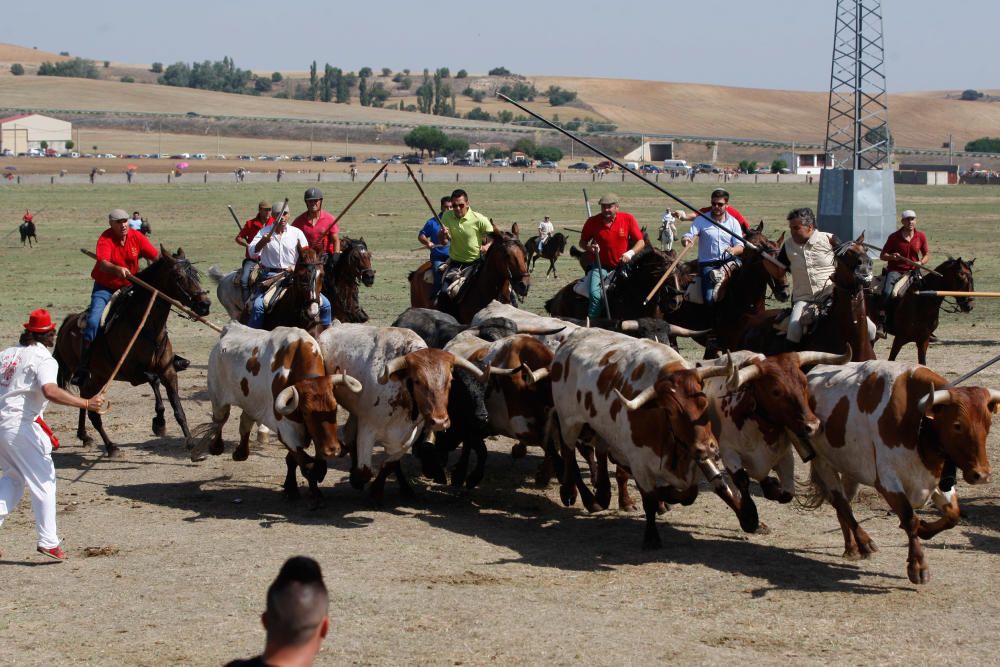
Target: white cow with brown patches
641,403
889,425
527,320
405,390
278,379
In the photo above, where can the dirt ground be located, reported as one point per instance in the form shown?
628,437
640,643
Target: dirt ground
169,562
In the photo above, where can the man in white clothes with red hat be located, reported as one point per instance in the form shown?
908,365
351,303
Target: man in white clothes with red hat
27,384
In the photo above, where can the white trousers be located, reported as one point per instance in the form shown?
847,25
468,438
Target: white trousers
794,334
26,459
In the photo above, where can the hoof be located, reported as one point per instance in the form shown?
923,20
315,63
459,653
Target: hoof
918,574
216,447
519,451
290,492
113,451
567,494
86,440
868,549
241,453
762,529
159,429
661,509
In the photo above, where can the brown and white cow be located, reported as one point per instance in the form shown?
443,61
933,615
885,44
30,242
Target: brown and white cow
757,411
661,434
278,379
405,390
889,425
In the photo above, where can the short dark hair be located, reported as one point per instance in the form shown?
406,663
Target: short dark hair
444,199
806,214
31,337
720,192
460,193
297,602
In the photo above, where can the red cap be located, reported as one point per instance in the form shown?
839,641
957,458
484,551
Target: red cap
39,321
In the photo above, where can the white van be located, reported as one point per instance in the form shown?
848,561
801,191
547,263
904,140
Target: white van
439,160
676,166
634,166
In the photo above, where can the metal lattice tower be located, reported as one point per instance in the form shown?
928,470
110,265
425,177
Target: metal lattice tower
857,130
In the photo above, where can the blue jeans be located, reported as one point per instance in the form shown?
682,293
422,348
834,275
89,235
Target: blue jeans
99,298
257,312
248,266
707,286
438,275
594,278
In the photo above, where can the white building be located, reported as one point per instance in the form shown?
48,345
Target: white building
805,163
23,132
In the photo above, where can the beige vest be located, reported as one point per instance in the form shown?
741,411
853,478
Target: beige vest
811,264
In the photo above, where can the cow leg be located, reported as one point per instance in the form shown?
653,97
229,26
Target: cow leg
479,447
242,451
404,484
314,470
744,506
857,543
290,488
460,471
590,456
547,469
625,502
159,423
603,482
651,536
917,568
519,450
377,488
773,491
428,453
947,503
220,415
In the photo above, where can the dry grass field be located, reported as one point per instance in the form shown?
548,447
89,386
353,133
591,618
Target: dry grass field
169,559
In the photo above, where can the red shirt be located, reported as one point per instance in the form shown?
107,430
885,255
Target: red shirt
136,245
913,249
250,229
614,239
733,212
314,233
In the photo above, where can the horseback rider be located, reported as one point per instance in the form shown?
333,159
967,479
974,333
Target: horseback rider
118,251
319,227
731,210
606,237
245,236
716,247
277,247
668,229
906,243
465,231
545,230
809,255
430,237
27,217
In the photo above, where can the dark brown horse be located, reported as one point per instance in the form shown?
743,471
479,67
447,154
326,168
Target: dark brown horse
299,305
742,299
502,275
342,279
846,322
27,229
152,356
912,318
553,248
628,286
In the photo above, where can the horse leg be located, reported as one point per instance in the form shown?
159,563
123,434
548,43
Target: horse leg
404,484
159,423
922,350
169,379
480,470
110,448
897,344
81,430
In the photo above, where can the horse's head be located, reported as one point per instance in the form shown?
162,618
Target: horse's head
176,277
957,276
508,257
648,267
359,261
307,282
853,266
777,277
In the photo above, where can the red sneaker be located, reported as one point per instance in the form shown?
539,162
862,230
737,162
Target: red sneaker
55,553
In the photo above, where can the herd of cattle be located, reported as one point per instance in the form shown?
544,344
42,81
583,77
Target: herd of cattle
431,385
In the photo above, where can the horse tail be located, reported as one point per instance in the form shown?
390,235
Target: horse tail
216,274
812,494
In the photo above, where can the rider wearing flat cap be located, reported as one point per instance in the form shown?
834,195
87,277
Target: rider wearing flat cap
609,233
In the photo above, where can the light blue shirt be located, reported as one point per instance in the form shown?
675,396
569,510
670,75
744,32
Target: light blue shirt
712,240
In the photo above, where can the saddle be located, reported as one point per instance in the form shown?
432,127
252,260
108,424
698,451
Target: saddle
457,280
254,277
899,289
274,288
110,312
811,316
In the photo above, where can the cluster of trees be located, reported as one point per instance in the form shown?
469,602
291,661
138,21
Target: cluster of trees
528,147
80,68
558,96
971,95
435,96
220,75
747,166
17,69
434,141
984,145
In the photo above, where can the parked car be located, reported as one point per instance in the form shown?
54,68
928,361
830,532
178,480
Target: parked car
319,158
520,162
707,168
603,164
298,158
199,156
440,159
650,169
462,162
373,160
413,159
395,160
548,164
500,162
347,158
583,166
247,158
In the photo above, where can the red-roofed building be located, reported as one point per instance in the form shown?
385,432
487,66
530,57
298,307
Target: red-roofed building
24,132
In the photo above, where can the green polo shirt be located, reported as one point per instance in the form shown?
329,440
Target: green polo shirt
466,234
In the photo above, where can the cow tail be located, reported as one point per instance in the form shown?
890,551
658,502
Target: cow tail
812,494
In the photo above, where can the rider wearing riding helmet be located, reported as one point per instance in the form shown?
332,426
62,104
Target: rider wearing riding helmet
320,228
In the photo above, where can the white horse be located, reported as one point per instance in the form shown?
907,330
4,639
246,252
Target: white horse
229,292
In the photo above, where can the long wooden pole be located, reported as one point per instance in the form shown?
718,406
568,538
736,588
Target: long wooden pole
940,292
358,196
905,260
422,193
663,278
128,348
173,302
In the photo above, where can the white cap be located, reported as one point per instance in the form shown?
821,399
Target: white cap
908,213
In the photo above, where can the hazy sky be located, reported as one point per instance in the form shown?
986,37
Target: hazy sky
930,44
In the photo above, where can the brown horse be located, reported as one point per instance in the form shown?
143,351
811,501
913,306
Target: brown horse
742,299
299,305
152,356
553,248
502,275
342,279
846,323
912,318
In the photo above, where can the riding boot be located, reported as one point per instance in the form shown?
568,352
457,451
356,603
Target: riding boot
82,373
880,329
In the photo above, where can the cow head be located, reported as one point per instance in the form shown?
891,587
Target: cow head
426,377
961,418
778,390
311,402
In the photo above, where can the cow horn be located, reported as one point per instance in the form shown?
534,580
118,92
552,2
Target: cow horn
747,374
705,372
994,395
467,365
816,357
536,375
629,325
286,401
687,333
352,384
539,330
394,366
933,397
638,401
500,370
